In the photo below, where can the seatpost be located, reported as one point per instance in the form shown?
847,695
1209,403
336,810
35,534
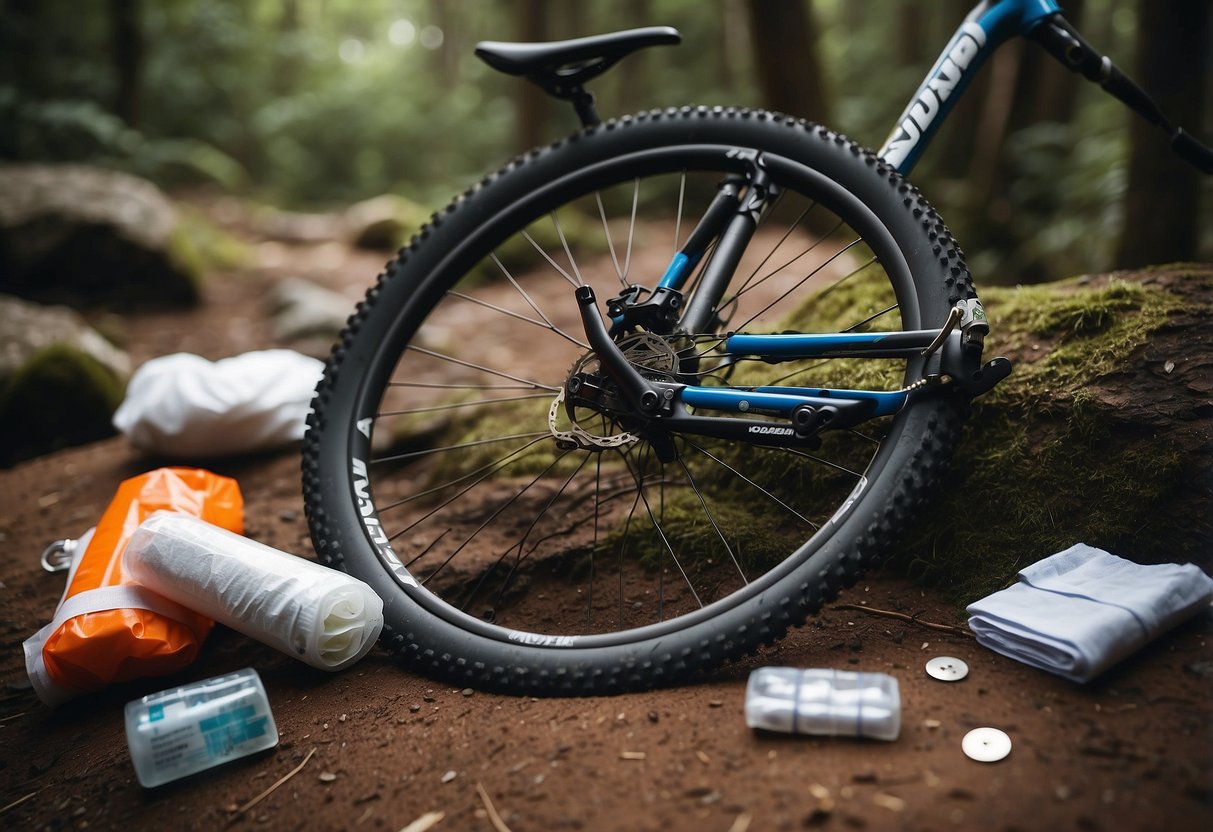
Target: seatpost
583,103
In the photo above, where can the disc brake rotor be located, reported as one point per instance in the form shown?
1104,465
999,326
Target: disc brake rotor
650,354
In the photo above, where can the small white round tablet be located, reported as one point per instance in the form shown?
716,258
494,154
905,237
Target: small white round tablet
986,745
947,669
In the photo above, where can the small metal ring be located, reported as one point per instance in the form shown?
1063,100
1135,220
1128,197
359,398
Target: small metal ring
58,556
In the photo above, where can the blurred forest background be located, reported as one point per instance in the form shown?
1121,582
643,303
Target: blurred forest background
309,104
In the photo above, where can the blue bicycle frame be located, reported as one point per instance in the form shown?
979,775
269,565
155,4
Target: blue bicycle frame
953,351
989,25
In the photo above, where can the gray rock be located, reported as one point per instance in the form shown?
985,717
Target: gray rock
87,236
299,227
301,309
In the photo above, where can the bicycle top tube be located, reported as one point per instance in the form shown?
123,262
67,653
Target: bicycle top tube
990,24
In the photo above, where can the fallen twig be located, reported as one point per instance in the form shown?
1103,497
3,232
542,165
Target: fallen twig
901,616
427,821
494,818
17,802
270,790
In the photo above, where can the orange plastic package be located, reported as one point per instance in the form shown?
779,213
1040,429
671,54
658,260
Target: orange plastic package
109,629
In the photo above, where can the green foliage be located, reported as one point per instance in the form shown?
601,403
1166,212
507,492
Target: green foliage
69,130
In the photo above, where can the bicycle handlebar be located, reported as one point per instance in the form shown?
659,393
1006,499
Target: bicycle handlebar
1063,42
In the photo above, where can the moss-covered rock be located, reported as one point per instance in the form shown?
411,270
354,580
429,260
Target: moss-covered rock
62,396
200,246
384,222
1102,434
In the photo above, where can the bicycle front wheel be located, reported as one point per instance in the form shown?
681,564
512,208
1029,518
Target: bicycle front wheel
526,545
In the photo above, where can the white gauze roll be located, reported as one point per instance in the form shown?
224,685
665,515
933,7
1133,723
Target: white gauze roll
318,615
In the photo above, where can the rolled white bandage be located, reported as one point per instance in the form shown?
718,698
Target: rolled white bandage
318,615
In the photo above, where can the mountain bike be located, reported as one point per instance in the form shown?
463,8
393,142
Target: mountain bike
644,399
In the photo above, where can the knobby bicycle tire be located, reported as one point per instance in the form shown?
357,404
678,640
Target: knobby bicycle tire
364,461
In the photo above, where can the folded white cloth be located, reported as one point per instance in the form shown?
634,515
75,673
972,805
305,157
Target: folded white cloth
185,407
1081,611
318,615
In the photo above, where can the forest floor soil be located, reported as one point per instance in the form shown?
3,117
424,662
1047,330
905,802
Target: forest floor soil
378,747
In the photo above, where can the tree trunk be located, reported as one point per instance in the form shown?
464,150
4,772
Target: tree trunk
1162,205
912,40
632,71
532,102
785,55
126,28
731,37
952,150
447,55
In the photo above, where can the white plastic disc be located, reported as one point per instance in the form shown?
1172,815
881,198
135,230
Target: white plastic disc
986,745
947,669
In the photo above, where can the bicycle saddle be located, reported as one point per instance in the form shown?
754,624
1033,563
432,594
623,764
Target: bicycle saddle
565,63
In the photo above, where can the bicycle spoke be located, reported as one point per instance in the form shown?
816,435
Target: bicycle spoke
863,436
522,542
506,461
443,357
669,548
627,527
491,518
594,543
437,488
800,283
460,446
606,232
546,256
565,243
795,373
518,288
627,260
796,222
708,513
434,385
826,462
749,287
834,286
458,405
753,484
870,318
545,324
